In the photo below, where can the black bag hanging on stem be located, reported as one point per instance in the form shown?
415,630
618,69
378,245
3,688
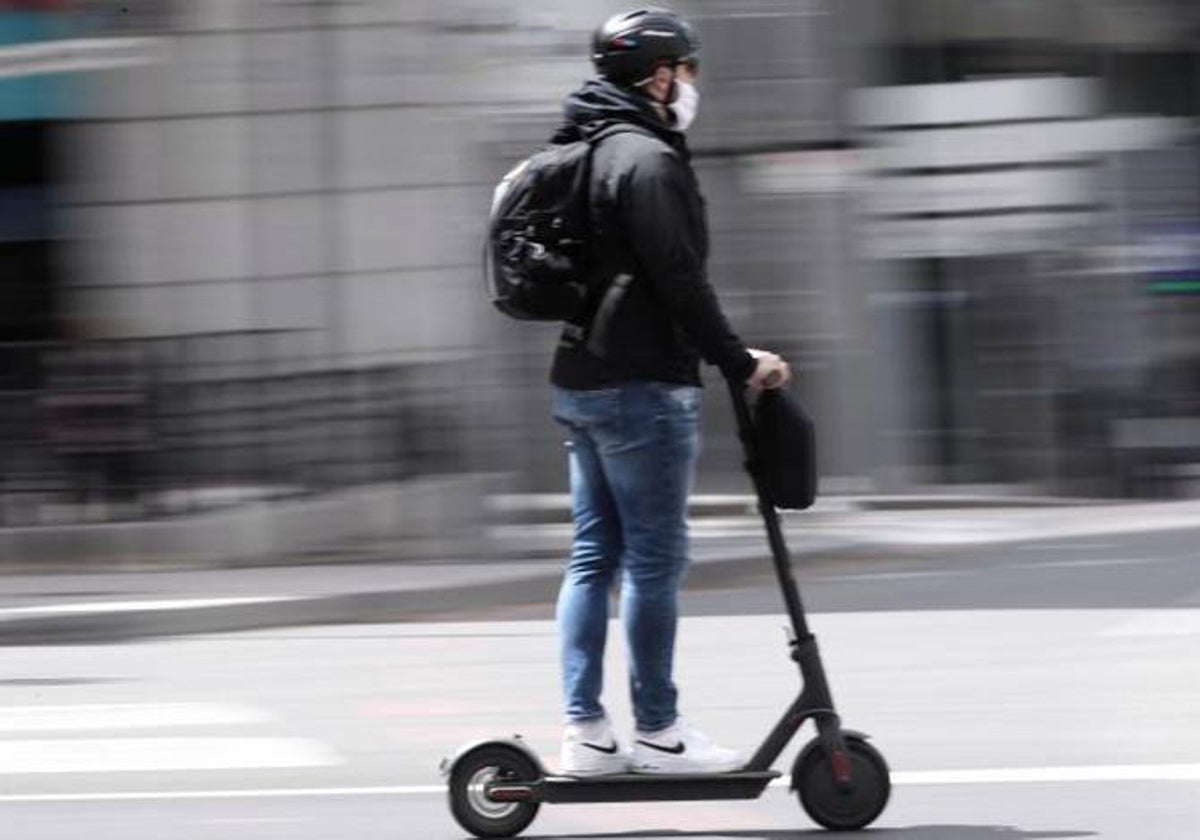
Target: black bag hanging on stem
787,449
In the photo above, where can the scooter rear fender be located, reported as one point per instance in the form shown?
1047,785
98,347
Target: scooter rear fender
447,764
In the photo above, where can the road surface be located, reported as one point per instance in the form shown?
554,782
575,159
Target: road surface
1024,692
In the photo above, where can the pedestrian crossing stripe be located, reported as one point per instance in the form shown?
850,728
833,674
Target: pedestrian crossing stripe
117,755
137,750
113,607
109,716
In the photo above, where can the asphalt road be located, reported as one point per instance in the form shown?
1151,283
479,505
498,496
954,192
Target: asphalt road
1029,692
1143,570
1150,570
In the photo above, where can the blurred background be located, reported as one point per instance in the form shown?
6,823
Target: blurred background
240,288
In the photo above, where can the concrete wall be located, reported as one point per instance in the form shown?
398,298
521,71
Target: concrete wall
326,167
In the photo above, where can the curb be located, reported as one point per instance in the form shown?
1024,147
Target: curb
555,508
102,626
105,625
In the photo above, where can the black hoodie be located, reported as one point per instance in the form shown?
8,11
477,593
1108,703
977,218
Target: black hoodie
648,218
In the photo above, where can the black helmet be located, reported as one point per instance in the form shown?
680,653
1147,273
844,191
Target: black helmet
628,48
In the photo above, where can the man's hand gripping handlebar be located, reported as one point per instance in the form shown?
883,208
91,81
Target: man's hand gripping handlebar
770,371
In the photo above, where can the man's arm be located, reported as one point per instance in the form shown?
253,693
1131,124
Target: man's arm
661,228
659,225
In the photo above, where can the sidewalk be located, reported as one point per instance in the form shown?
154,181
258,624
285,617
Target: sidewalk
371,586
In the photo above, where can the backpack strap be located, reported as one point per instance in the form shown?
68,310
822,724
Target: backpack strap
611,283
594,132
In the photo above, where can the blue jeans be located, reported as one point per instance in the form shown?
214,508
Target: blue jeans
633,451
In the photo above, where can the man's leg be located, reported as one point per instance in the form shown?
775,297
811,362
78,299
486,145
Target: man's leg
651,475
650,470
582,610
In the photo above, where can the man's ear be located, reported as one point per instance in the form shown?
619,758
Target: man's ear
660,85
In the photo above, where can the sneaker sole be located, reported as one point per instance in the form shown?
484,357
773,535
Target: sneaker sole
614,768
591,774
652,770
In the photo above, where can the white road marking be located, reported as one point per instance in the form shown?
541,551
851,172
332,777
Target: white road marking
135,606
891,575
249,820
126,716
1184,622
248,793
1099,561
109,755
1102,546
1000,775
1018,775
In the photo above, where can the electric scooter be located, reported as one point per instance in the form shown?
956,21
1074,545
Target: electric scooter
497,786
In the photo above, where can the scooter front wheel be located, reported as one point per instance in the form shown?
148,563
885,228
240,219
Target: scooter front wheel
470,779
838,806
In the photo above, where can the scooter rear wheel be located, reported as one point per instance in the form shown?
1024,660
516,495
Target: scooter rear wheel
469,802
832,805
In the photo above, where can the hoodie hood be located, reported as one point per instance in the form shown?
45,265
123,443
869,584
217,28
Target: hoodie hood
600,103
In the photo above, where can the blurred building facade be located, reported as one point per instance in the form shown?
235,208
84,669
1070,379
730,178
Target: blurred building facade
1016,204
971,224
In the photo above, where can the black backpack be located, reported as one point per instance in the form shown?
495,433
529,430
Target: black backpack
538,258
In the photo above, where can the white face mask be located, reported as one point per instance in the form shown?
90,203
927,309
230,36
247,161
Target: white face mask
685,104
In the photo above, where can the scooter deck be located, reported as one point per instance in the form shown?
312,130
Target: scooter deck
647,787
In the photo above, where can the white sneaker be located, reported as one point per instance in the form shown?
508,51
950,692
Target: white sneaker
681,749
589,748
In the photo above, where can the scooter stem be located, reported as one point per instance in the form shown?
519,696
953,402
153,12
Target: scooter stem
780,555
